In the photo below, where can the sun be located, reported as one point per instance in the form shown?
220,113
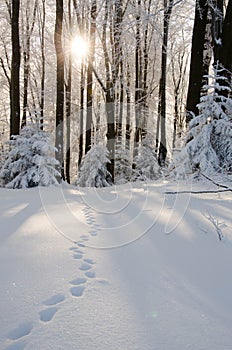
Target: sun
79,47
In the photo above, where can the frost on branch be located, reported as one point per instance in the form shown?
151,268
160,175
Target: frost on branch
93,170
209,140
30,161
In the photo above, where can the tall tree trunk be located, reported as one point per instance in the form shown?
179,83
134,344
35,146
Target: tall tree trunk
117,64
68,102
162,87
43,63
217,22
110,113
26,58
59,142
81,124
89,120
138,79
208,50
225,52
128,110
196,64
15,71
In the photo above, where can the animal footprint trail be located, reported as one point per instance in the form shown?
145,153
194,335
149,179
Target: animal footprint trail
78,284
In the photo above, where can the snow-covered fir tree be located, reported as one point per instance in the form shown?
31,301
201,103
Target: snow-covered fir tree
93,171
146,162
31,160
123,163
208,145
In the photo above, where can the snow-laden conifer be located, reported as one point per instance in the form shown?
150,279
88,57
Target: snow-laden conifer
123,163
208,145
31,160
146,162
93,171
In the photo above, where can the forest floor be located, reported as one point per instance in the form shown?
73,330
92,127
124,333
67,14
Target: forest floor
131,267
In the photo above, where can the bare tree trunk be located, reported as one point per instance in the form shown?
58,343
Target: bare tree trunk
26,59
59,143
162,88
217,23
89,120
128,111
68,102
43,63
110,113
81,125
225,53
15,71
208,50
138,79
196,71
117,64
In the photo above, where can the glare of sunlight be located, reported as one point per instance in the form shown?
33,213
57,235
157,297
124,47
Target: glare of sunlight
79,47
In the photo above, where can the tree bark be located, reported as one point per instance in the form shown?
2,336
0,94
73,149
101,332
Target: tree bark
110,113
26,59
162,87
89,120
43,63
225,52
196,64
15,71
68,102
59,142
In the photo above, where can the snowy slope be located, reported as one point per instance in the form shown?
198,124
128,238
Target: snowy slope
126,267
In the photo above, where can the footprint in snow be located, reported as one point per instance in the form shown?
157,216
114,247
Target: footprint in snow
90,274
21,331
73,248
77,281
77,256
85,267
54,300
77,291
76,250
81,245
89,261
47,314
93,233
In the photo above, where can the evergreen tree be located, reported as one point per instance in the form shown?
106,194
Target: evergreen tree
209,140
93,170
123,164
30,161
146,162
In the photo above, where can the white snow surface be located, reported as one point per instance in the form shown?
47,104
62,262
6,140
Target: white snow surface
119,268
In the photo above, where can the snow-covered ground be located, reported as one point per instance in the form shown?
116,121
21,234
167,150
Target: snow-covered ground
126,267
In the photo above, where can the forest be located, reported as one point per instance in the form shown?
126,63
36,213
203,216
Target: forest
99,92
115,174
